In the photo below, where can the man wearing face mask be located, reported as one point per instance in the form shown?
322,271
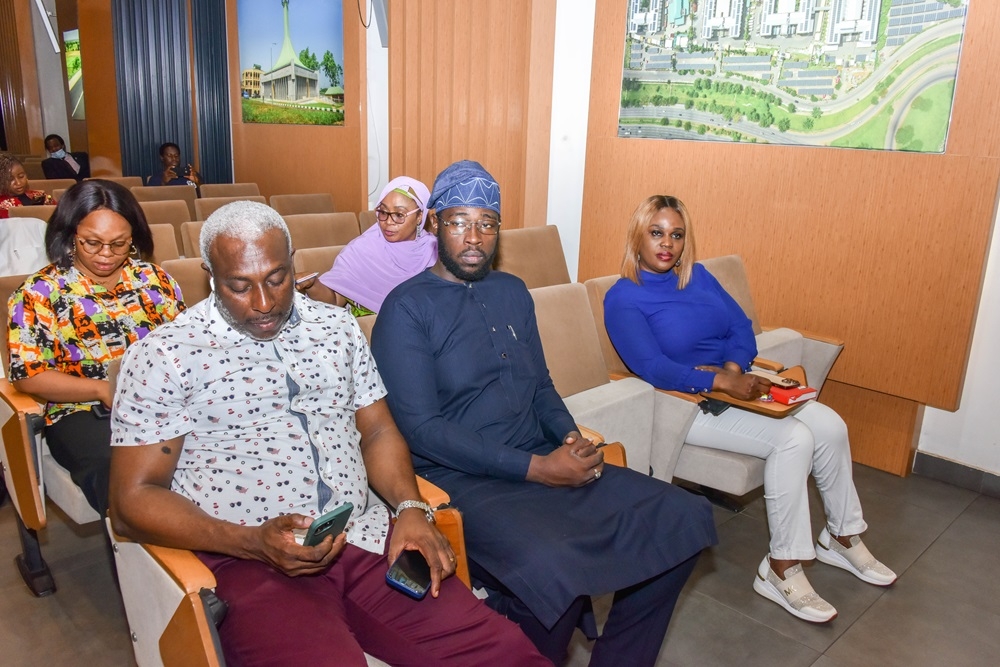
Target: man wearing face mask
62,164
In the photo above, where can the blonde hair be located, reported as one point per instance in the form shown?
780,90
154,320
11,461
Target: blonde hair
637,226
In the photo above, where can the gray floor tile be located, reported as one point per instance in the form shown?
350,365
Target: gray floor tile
707,633
921,491
946,610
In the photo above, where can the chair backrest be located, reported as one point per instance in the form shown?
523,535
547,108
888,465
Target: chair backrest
192,279
295,204
164,243
40,212
569,338
127,181
171,212
597,288
731,273
58,193
22,245
308,260
50,185
323,229
241,190
185,193
533,254
366,219
33,168
205,207
191,235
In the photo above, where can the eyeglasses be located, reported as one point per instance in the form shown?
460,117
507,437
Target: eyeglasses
94,247
459,226
397,217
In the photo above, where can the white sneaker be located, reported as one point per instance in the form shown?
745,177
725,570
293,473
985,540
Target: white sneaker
794,593
857,560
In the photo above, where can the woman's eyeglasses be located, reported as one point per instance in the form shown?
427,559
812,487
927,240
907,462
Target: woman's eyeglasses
397,217
94,247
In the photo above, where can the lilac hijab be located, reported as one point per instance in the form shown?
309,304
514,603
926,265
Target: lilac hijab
369,267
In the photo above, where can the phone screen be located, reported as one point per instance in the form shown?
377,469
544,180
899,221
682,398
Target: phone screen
410,574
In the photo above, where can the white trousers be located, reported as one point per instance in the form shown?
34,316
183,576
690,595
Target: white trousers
814,440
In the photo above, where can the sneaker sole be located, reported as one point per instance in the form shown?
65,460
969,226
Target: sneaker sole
768,591
831,557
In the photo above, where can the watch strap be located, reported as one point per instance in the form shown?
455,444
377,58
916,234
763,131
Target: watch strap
418,504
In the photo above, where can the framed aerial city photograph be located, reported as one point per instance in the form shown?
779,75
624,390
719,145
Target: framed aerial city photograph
291,61
875,74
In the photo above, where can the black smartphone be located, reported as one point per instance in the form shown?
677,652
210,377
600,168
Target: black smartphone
410,574
101,411
713,406
331,523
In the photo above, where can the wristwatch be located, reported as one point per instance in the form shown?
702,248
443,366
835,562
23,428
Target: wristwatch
408,504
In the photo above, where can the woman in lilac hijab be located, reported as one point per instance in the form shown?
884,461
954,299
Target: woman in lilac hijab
394,250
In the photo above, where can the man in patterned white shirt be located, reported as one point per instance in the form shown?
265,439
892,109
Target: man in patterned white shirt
252,414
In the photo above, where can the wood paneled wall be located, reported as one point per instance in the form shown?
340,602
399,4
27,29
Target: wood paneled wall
473,80
22,114
97,51
289,159
883,249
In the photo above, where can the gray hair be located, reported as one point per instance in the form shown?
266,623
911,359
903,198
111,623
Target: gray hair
247,220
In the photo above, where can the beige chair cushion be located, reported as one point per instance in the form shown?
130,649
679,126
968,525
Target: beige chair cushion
50,185
164,243
127,181
241,190
308,260
171,212
296,204
191,234
322,229
40,212
318,230
185,193
731,273
534,255
569,338
192,279
366,219
206,206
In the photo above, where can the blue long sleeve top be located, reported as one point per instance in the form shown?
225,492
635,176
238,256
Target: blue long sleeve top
662,332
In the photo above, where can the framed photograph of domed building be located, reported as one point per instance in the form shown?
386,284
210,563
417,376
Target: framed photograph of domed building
291,61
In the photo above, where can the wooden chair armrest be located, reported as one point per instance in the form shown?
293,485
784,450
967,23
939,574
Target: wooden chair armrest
183,567
17,400
768,365
823,338
449,523
614,453
590,434
432,495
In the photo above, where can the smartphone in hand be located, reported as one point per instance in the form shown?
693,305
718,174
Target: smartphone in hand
331,523
410,574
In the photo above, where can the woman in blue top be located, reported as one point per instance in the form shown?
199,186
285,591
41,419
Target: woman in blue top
675,326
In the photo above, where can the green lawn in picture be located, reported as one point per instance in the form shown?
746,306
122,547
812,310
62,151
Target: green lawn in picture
925,125
255,111
869,135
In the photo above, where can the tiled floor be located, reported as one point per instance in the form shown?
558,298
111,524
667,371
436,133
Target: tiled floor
944,610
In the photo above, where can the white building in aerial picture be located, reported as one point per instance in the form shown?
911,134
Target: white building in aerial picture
722,18
853,21
787,18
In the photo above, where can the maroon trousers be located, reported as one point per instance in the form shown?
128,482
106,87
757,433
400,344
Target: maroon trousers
335,617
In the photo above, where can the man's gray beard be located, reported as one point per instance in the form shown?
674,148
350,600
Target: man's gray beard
231,321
